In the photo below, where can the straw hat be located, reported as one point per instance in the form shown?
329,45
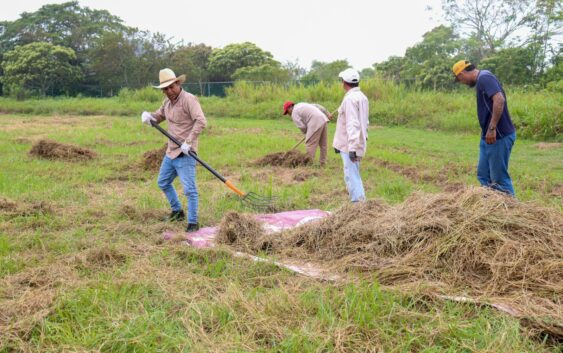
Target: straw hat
168,77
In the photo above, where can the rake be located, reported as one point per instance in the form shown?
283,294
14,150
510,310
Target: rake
248,199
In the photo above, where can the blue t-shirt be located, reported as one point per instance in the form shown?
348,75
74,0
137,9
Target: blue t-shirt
487,86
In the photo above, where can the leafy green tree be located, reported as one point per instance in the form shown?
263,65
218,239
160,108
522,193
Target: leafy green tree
67,24
426,64
113,61
367,72
494,24
153,52
555,72
546,26
511,65
296,71
192,60
391,69
40,67
321,71
224,62
265,72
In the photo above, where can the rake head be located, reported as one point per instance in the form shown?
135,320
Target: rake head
259,202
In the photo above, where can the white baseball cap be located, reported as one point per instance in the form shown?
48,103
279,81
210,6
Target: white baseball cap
350,76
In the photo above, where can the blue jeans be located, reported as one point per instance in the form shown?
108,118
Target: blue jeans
353,179
492,170
184,167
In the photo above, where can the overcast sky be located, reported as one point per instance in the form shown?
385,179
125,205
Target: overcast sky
362,31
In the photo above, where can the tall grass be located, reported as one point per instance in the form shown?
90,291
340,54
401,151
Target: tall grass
537,115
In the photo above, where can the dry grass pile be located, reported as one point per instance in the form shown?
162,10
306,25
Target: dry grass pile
133,213
12,209
548,145
243,233
48,149
289,159
104,257
472,242
152,159
28,297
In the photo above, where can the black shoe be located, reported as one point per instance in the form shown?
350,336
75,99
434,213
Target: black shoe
192,227
175,216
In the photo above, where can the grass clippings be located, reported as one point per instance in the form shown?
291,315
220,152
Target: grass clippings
28,297
52,150
13,209
289,159
243,233
473,242
153,159
548,145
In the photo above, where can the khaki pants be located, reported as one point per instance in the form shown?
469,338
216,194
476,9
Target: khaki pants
319,138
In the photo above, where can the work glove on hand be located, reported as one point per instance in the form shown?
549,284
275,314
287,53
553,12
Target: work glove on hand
146,118
353,157
186,148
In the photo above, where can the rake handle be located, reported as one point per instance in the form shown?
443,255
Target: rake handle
194,156
297,145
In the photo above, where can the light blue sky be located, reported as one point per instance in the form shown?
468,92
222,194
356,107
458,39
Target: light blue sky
361,31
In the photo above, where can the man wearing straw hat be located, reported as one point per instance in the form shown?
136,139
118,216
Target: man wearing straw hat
497,131
350,137
185,122
312,120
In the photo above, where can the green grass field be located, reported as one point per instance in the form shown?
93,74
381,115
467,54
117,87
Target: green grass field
83,266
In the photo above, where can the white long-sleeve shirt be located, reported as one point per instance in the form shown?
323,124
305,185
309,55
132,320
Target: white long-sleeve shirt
352,124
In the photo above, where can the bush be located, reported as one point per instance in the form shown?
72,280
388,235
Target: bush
536,114
146,94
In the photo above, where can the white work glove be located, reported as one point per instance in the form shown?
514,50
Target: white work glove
186,148
146,118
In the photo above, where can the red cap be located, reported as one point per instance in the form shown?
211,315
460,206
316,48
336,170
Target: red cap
286,106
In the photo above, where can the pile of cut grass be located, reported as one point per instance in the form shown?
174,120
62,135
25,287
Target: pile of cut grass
153,159
243,233
289,159
52,150
473,242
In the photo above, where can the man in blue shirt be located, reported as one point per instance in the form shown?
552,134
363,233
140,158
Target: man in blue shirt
497,131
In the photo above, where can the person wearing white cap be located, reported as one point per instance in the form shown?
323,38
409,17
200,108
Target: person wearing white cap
350,137
185,122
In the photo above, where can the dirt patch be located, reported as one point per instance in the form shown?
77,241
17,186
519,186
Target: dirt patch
28,297
474,242
22,140
48,149
548,145
441,178
557,190
104,257
7,205
304,175
153,159
289,159
23,209
243,232
285,176
139,215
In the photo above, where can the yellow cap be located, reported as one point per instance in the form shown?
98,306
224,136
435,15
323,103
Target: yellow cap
460,66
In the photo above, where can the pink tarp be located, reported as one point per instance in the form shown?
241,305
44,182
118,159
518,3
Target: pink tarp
274,222
205,238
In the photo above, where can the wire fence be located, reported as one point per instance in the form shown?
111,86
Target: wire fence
202,89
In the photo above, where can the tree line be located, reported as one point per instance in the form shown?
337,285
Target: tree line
67,49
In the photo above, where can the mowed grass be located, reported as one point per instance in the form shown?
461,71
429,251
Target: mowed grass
83,266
